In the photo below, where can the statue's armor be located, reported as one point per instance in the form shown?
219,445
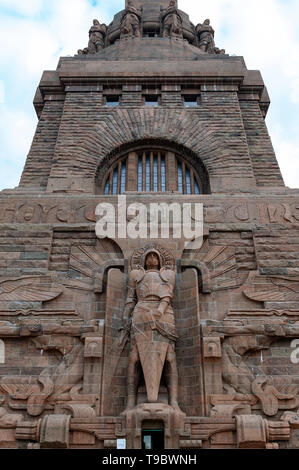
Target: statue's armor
153,333
146,290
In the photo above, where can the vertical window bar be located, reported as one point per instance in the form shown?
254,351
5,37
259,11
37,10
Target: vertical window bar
140,174
123,177
180,177
144,172
163,174
152,171
107,187
196,187
111,182
184,178
188,181
148,172
192,181
159,172
115,181
155,172
118,177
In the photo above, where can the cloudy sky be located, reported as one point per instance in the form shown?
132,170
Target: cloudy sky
35,33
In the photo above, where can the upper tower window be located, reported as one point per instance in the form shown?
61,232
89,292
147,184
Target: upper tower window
151,170
190,101
151,100
112,100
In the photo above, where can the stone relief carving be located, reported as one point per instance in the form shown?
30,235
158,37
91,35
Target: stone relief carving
131,20
30,289
216,212
149,317
218,267
205,34
172,21
92,262
97,34
272,288
53,385
131,26
273,392
9,420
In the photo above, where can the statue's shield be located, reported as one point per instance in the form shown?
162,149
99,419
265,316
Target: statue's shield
152,348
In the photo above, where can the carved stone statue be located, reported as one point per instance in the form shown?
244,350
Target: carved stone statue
150,317
130,23
97,35
205,34
172,21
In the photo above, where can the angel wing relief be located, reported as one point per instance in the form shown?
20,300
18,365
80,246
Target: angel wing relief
218,265
30,289
89,264
272,288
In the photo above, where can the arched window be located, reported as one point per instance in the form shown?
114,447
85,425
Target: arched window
151,170
116,180
188,181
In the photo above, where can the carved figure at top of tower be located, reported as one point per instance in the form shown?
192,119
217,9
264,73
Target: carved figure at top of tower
130,23
172,21
97,35
153,333
205,34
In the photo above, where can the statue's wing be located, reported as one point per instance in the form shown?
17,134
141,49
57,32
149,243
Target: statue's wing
273,289
30,289
90,263
218,266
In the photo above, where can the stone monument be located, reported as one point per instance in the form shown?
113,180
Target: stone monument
143,338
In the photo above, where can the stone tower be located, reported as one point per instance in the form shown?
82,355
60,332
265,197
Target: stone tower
146,339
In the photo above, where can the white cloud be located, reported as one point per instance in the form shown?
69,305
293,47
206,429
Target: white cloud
2,92
16,133
286,147
23,7
31,47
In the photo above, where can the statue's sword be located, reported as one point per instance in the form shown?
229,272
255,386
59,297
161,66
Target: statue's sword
116,349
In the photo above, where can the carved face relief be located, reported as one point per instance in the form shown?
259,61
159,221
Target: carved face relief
152,261
166,259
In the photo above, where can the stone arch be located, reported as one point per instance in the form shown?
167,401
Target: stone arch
111,130
2,352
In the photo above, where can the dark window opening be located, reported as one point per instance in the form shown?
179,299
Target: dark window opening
151,32
112,100
190,101
151,100
153,435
